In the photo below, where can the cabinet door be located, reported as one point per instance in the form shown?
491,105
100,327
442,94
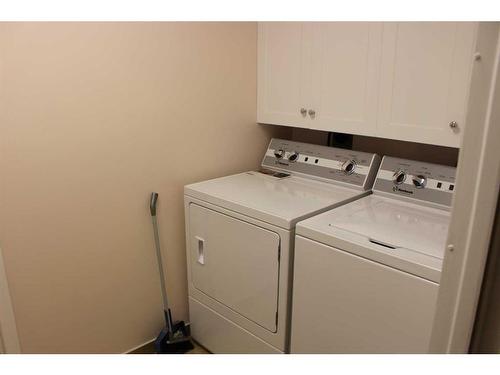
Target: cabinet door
426,69
346,69
282,83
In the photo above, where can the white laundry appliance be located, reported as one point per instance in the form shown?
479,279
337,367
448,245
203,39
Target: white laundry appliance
240,236
366,275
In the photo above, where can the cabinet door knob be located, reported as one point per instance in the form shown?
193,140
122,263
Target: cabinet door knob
312,112
303,111
453,125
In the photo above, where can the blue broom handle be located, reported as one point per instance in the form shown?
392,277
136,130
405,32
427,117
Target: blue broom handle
152,207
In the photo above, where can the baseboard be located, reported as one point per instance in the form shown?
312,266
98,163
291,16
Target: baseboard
140,346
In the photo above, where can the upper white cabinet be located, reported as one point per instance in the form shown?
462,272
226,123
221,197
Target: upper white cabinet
345,67
283,53
406,81
424,81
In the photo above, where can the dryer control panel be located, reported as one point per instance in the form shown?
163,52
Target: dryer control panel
322,162
425,182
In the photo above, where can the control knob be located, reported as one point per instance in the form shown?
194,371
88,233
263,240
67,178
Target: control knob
349,166
419,181
279,153
293,156
399,177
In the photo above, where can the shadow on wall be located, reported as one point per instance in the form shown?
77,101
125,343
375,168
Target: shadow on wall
389,147
486,335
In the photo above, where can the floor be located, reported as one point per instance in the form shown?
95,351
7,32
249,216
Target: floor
150,349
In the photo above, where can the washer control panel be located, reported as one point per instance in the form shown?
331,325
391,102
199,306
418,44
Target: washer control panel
322,162
431,183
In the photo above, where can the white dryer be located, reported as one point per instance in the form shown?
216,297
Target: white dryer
240,235
366,274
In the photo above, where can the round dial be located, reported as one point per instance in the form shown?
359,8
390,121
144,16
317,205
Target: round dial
349,166
399,177
419,181
279,153
293,156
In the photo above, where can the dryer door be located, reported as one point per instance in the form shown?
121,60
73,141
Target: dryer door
235,263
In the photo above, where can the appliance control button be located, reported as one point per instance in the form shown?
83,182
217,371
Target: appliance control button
399,177
293,156
279,153
419,181
349,166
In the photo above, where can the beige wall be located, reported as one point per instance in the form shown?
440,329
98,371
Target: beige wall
93,117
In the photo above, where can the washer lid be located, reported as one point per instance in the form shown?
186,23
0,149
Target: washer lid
407,236
278,201
397,225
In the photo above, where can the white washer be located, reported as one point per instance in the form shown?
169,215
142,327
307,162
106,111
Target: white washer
240,234
366,275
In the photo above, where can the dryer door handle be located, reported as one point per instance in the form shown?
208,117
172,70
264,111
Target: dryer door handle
201,250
